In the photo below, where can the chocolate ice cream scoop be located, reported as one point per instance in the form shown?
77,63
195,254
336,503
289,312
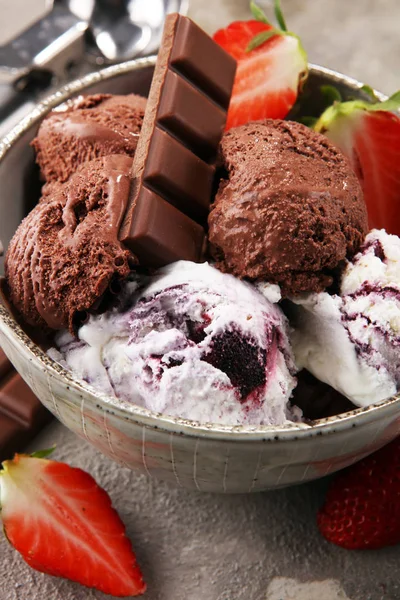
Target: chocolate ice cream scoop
65,254
290,209
86,128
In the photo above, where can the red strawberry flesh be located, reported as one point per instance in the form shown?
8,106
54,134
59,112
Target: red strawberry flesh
267,78
63,524
236,37
370,138
377,155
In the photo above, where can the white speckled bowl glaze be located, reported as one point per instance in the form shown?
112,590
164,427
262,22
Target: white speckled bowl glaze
208,458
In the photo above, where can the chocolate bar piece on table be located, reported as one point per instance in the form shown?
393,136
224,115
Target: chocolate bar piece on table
22,416
174,165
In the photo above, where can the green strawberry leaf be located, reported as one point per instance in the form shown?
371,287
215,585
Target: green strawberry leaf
261,38
258,13
43,453
279,15
330,94
345,109
395,97
392,103
39,454
368,90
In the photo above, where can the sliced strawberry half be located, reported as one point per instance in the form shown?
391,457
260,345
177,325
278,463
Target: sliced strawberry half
369,134
63,524
272,67
361,509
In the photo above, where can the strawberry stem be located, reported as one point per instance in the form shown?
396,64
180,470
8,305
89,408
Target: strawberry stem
264,36
258,13
279,15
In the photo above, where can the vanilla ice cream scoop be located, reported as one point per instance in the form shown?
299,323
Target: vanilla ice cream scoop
352,340
190,342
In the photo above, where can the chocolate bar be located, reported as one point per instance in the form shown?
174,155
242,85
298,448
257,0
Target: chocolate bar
174,165
21,414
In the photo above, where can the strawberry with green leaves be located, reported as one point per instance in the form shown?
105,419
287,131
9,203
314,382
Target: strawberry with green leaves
362,506
369,134
272,67
63,524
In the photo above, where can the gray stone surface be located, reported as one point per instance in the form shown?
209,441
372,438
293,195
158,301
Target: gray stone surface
259,547
195,546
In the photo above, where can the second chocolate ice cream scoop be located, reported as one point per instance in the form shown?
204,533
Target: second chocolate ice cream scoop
289,208
85,128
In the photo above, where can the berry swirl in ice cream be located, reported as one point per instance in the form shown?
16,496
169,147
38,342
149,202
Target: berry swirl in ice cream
352,340
193,342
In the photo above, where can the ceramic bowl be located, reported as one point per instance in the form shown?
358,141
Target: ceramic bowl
208,458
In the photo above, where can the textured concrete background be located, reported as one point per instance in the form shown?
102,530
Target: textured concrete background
265,546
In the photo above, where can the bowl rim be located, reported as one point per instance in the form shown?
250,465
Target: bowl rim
140,415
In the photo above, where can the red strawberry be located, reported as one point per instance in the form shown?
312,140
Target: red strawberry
272,66
362,506
370,136
63,524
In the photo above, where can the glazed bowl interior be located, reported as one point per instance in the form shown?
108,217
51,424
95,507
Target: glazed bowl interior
119,429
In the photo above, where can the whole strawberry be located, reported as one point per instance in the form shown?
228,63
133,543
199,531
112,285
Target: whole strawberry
271,67
63,524
362,506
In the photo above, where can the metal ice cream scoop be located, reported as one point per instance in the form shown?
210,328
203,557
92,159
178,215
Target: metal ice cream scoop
123,29
110,31
67,41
